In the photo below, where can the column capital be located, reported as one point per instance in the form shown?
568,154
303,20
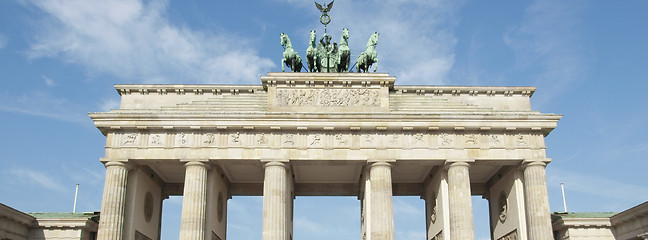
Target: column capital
450,164
527,164
270,163
197,163
380,164
118,163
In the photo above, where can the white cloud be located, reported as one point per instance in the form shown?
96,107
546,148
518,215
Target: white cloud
304,224
108,104
548,39
134,40
416,37
43,105
3,41
405,208
598,186
48,81
39,178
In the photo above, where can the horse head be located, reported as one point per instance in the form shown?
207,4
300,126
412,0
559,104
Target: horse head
283,39
373,40
313,38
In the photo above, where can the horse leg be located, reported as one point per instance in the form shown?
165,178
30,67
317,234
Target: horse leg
283,62
376,65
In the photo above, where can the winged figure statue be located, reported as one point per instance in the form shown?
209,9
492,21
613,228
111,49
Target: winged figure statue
324,10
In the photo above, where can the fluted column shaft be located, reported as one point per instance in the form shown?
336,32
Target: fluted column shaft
275,205
113,202
382,204
461,212
537,201
194,202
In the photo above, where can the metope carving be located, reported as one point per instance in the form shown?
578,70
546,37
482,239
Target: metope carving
471,139
182,139
129,139
522,140
235,138
263,140
418,138
341,140
316,140
446,139
495,140
289,140
328,97
210,138
155,139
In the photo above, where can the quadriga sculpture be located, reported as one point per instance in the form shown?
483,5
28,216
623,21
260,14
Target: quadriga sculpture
344,52
369,56
290,56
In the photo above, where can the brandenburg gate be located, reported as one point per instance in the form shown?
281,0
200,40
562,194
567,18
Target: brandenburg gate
325,134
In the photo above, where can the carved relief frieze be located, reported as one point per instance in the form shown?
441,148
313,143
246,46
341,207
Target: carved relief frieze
234,139
156,140
446,140
419,139
288,140
315,140
209,139
262,139
342,140
183,139
345,97
495,140
394,140
521,140
130,139
328,140
471,140
368,140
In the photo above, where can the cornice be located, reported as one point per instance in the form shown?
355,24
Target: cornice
466,90
200,89
543,123
182,89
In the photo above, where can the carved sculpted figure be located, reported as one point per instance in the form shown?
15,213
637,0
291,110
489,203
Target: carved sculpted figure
290,57
327,54
344,52
369,56
311,54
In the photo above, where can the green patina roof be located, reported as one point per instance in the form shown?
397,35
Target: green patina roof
560,215
48,215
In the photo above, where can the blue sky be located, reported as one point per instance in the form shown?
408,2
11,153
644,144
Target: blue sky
59,61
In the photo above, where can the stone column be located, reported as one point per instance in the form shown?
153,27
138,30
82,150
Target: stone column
194,202
537,201
461,215
382,204
276,194
113,202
